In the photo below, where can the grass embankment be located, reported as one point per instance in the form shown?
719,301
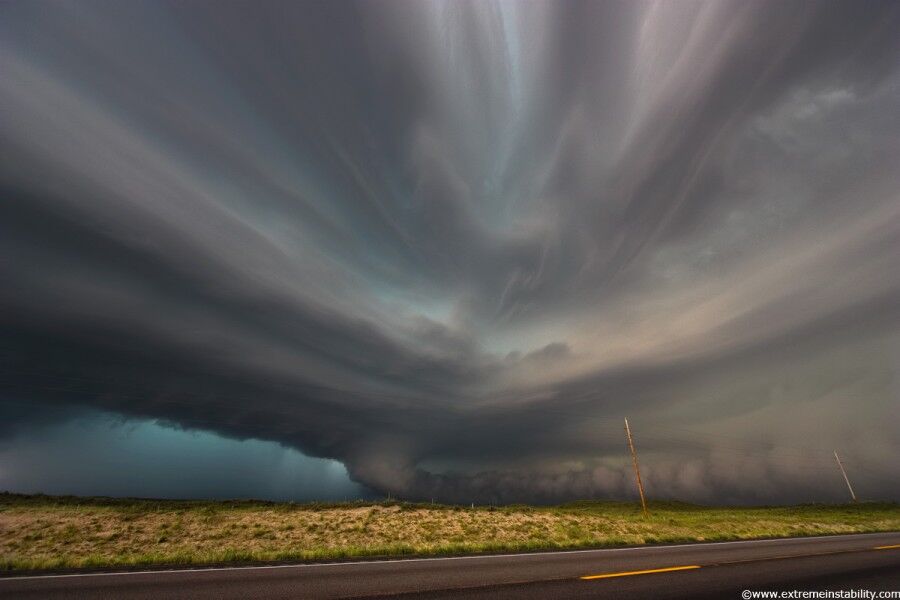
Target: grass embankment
45,532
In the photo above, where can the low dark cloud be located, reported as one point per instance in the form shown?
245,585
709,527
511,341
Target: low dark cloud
151,459
452,244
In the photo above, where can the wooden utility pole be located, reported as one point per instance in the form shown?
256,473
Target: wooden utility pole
637,469
844,473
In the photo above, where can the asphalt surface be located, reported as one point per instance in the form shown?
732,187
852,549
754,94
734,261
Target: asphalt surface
717,570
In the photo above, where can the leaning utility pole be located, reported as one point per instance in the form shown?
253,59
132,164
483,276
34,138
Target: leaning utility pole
844,473
637,469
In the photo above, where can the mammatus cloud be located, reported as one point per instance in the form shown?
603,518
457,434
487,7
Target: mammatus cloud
451,244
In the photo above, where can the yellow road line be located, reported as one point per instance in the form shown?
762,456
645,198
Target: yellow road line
688,567
626,573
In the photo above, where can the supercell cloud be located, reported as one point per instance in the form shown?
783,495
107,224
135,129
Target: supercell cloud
451,244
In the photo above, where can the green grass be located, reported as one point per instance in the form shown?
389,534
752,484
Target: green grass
46,532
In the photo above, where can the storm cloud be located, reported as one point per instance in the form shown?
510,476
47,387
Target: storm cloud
451,244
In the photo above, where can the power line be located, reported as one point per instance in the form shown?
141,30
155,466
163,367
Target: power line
771,452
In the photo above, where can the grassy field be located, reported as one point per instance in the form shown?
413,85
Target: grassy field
45,532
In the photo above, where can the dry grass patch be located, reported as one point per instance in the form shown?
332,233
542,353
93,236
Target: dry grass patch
40,532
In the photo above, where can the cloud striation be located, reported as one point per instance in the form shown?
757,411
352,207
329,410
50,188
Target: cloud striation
451,244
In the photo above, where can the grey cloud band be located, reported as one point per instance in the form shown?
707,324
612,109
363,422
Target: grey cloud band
451,244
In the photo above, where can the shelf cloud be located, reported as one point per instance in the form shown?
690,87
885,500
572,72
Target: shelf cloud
452,243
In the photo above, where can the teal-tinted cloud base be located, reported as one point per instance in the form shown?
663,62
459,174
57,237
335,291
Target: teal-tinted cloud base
102,455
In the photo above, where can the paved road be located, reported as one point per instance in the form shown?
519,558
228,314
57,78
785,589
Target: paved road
720,570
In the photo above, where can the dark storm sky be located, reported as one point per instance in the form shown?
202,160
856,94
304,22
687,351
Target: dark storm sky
451,244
